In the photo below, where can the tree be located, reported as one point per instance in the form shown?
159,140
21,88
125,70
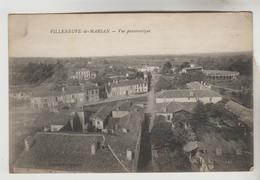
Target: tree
185,65
161,134
77,126
200,114
167,68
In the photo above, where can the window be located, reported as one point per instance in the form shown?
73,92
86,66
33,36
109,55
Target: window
210,99
168,117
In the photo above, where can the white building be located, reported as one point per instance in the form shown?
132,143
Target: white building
83,74
148,69
128,87
187,95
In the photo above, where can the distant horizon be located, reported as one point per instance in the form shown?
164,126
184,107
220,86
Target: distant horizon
140,55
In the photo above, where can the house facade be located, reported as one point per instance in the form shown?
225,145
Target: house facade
128,87
68,96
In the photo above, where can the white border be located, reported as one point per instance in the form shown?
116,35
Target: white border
63,6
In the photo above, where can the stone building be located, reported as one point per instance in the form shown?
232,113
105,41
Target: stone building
127,87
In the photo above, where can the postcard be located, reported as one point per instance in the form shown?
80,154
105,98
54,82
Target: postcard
131,92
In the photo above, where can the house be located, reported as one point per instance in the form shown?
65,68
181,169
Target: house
170,110
100,118
127,87
122,110
43,98
187,95
83,74
110,110
92,92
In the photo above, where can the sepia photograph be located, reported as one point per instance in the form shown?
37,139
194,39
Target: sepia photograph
131,92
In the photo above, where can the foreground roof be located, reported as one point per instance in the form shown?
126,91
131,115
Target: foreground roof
68,152
123,141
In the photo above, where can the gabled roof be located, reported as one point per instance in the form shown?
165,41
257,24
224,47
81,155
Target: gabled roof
68,152
123,141
105,110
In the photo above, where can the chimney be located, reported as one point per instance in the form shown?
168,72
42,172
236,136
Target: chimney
129,155
28,142
93,149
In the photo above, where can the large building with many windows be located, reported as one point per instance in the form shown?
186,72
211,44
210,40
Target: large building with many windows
52,99
83,74
127,87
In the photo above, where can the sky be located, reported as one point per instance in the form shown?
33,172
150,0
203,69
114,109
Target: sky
169,33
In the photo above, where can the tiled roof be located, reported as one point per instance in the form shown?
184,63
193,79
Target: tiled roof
128,82
173,107
183,93
68,152
105,110
123,141
245,114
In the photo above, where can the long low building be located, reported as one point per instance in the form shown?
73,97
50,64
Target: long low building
221,75
187,95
